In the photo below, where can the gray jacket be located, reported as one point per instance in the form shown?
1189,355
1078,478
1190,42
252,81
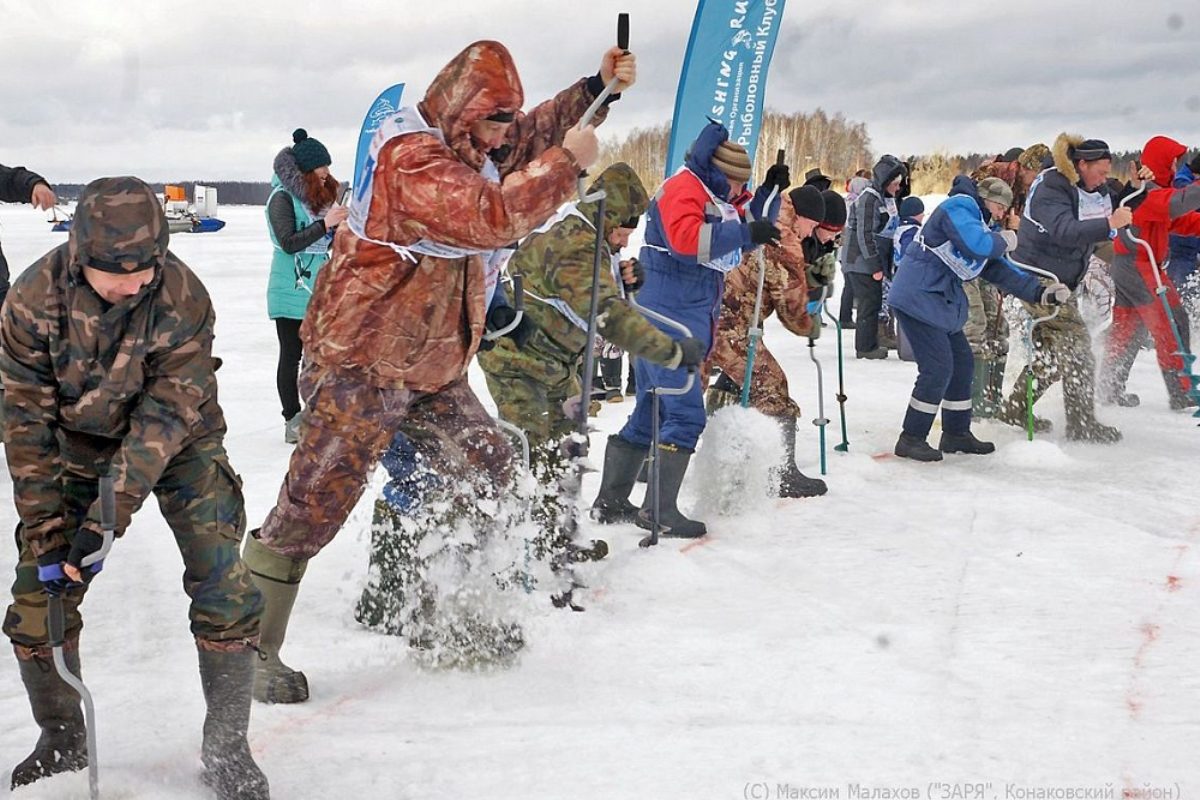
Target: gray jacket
867,251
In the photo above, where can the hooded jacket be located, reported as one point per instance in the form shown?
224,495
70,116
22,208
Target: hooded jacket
556,264
928,290
684,230
135,379
397,322
300,244
1185,250
868,242
1052,236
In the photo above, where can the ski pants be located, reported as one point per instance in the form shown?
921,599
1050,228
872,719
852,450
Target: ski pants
868,298
200,497
945,367
1124,337
681,417
348,425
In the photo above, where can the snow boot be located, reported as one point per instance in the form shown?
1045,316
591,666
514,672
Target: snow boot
1114,375
887,339
62,744
964,443
672,466
278,579
229,769
291,428
916,448
1013,410
793,482
622,460
1079,402
873,355
1177,390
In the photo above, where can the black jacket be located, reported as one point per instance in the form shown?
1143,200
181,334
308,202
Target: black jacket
16,186
1052,237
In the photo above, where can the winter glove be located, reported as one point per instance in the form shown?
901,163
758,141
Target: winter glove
1056,294
50,565
503,316
762,232
778,176
639,276
689,352
821,272
1010,240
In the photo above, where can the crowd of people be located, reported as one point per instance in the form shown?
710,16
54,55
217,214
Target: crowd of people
107,355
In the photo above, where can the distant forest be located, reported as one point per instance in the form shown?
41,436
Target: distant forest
228,192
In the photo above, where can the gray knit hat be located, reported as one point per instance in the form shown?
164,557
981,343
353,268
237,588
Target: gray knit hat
995,190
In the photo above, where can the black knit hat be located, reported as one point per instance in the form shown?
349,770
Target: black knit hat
835,210
310,154
1090,150
808,202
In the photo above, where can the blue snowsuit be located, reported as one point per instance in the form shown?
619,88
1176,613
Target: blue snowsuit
928,299
685,231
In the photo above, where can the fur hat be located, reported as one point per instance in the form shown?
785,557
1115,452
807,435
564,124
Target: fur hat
310,154
733,161
995,190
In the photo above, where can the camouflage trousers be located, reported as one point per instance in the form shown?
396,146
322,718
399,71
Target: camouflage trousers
200,496
768,384
1062,351
347,426
986,329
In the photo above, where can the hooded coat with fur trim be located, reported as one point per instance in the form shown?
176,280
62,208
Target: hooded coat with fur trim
417,324
294,228
1052,236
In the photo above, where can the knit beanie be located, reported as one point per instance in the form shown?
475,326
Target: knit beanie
733,161
835,210
911,206
995,190
1033,156
310,154
808,203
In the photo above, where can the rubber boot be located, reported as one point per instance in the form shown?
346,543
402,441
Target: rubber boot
1013,410
1114,375
873,355
979,387
916,448
1177,390
964,443
1079,402
672,466
62,744
622,460
887,339
278,578
793,482
229,769
993,395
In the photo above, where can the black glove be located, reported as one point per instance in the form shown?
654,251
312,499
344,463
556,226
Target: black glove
778,175
691,352
639,277
50,565
503,316
763,232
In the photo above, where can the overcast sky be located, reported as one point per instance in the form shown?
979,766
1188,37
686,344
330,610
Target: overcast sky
211,89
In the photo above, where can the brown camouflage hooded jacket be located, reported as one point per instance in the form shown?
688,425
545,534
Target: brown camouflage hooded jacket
82,376
417,325
785,294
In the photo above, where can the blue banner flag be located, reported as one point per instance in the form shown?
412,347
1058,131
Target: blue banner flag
387,104
724,73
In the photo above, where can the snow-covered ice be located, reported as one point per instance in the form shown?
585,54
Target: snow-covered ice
1025,620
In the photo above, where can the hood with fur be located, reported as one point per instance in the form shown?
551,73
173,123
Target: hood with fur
288,172
1062,155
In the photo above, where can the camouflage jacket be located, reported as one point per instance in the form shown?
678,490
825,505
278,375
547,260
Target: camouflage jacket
137,375
417,324
557,265
785,294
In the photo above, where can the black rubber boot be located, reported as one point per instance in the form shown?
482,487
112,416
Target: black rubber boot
62,744
916,448
964,443
1178,397
1114,375
793,482
672,466
278,579
622,460
229,769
